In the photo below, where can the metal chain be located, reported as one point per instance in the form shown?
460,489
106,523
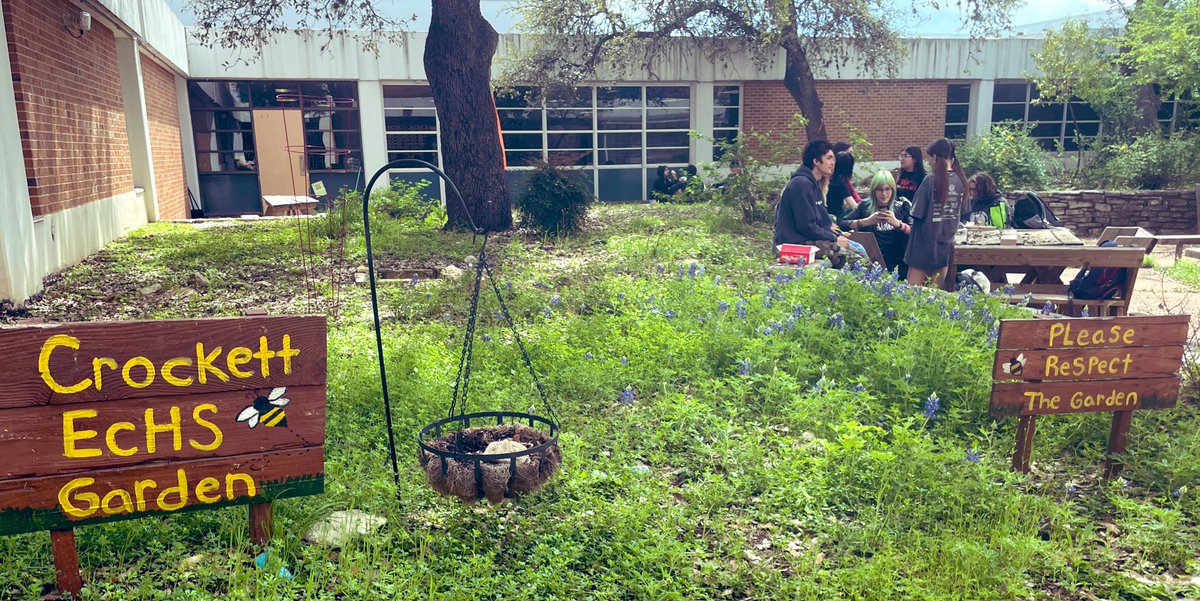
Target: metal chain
459,401
524,354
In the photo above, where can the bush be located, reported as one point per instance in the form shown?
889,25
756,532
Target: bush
1010,155
552,203
1151,162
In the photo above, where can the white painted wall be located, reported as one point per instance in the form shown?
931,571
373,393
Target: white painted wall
17,280
156,24
137,124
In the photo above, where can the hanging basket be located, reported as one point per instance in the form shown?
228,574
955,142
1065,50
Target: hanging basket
456,462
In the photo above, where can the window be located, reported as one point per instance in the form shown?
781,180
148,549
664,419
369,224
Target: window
1048,122
410,123
958,110
727,116
604,136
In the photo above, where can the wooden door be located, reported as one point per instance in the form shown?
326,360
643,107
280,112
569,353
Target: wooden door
279,141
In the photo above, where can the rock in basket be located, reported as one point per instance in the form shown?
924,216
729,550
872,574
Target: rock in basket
459,462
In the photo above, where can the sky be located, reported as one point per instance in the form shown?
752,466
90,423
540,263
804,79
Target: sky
943,22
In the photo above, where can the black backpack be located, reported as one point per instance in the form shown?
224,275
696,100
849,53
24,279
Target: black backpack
1097,284
1031,213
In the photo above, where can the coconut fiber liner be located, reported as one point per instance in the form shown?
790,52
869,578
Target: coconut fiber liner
459,478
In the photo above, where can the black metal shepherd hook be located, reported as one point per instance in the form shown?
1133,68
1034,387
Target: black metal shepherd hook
387,404
545,452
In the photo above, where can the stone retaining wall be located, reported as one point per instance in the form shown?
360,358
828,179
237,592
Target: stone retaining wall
1088,212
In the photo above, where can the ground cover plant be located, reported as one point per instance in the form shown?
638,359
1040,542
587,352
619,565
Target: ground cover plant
730,431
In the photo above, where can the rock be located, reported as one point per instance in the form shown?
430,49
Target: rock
148,290
470,260
451,272
191,562
361,269
342,526
198,281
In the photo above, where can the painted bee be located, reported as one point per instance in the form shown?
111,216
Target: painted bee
1015,365
267,409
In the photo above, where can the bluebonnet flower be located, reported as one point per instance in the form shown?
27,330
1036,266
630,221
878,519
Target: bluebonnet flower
499,316
428,296
932,404
890,313
1175,494
692,270
541,284
817,388
415,279
837,321
782,278
955,315
554,300
1124,483
701,319
767,331
669,314
1009,289
798,311
833,297
1084,312
624,361
741,308
790,324
744,367
1047,308
679,273
588,355
722,307
487,338
651,299
659,269
859,389
887,287
547,312
620,296
768,301
717,280
508,286
993,334
1070,488
972,456
627,396
912,319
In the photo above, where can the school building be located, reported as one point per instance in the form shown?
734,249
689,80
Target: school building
111,117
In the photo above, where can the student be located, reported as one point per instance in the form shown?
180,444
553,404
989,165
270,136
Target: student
987,206
800,216
886,216
910,174
665,185
937,206
841,198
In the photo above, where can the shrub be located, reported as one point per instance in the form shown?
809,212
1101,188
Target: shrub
1151,162
401,202
552,203
1010,155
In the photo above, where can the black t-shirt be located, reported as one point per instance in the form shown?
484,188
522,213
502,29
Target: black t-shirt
907,183
931,244
892,240
836,197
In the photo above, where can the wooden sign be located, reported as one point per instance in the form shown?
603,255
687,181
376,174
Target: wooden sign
108,421
1113,364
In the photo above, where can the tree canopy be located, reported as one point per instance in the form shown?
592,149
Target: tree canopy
575,39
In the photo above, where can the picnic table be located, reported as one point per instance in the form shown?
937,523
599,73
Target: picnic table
1039,258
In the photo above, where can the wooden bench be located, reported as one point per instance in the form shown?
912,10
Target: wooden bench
1179,241
1130,237
1042,268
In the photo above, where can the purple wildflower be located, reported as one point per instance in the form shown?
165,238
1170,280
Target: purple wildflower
859,389
1175,494
890,313
487,338
679,273
547,312
741,308
620,296
717,280
1009,289
692,270
508,286
782,278
932,404
1070,488
833,297
972,456
768,300
428,296
837,321
669,314
744,367
1047,308
722,307
588,355
624,361
659,269
627,396
554,300
415,279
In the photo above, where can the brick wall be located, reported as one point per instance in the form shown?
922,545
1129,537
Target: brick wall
166,147
69,107
893,114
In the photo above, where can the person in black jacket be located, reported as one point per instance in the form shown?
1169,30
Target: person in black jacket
841,198
800,216
886,216
910,174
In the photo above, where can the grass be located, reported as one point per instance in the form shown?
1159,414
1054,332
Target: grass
1185,271
781,440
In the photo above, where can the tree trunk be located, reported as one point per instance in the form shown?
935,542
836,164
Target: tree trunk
799,81
458,63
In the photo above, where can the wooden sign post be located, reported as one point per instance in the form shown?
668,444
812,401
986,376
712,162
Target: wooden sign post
1111,364
109,421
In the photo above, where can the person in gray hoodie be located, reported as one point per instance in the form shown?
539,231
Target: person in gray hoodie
800,216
